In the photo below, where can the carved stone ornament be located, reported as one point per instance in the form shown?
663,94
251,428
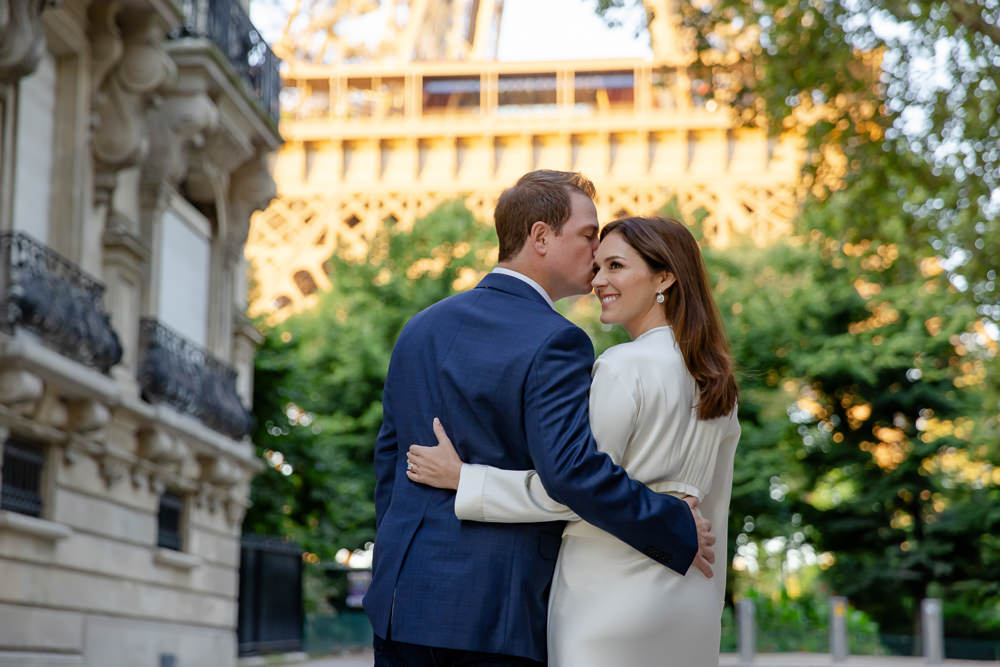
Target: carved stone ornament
224,473
51,409
141,478
129,64
78,446
20,386
22,37
235,509
208,499
157,446
213,164
157,485
87,415
113,469
251,188
177,124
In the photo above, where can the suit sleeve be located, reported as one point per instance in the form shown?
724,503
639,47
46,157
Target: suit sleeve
577,474
492,494
386,459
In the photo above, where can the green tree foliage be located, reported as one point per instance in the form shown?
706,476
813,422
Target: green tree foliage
319,378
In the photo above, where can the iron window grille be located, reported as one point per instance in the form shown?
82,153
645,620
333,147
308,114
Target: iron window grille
168,523
21,490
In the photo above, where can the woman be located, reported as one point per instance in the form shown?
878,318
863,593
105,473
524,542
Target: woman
663,406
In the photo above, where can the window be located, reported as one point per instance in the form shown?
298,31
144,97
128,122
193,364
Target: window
185,271
33,162
168,524
21,490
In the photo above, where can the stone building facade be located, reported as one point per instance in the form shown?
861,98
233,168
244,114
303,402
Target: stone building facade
134,140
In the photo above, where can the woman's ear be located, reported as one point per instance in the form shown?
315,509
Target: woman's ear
666,280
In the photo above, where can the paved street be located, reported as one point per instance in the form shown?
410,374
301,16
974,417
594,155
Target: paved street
364,659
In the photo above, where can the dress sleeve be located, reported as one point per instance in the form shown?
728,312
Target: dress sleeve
614,408
495,495
492,494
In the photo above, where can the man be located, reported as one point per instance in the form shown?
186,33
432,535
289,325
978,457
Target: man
510,378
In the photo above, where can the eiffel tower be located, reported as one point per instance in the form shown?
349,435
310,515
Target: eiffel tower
427,114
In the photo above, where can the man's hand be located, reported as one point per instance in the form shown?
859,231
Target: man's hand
706,555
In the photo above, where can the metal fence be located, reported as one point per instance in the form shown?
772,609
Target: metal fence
270,606
839,638
345,626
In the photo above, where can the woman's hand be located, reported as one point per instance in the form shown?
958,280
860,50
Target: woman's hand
438,466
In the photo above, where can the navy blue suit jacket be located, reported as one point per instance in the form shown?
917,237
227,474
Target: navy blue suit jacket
509,377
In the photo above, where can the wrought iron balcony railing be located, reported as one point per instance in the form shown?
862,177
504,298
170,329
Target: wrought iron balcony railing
175,371
228,26
46,293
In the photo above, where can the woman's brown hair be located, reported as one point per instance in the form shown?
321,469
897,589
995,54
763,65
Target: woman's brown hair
667,245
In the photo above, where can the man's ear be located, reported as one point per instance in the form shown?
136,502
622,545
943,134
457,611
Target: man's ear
539,236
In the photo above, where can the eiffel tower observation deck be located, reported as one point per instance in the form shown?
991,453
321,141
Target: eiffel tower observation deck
428,114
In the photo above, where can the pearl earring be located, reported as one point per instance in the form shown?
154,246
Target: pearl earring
659,297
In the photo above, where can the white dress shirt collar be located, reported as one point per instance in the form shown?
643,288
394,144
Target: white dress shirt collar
520,276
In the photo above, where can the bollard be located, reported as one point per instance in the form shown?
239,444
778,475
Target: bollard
747,629
932,630
838,628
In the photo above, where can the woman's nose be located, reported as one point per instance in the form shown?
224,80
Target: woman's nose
598,280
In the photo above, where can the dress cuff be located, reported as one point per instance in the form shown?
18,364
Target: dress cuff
469,498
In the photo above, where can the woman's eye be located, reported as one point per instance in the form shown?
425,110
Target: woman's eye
615,265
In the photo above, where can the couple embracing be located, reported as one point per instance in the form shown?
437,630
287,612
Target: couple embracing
564,516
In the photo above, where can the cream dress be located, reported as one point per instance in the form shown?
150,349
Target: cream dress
610,605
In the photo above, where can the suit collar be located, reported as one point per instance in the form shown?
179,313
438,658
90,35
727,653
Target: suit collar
511,285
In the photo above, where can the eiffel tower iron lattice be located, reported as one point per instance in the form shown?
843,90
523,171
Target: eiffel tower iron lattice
428,115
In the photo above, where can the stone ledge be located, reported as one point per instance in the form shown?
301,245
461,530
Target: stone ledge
38,659
22,523
25,350
176,559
